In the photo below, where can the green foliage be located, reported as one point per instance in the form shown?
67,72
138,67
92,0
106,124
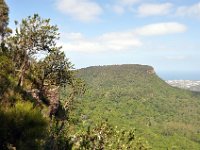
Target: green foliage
54,69
133,96
22,126
7,80
100,137
25,78
58,136
3,18
5,70
33,36
127,96
104,136
36,80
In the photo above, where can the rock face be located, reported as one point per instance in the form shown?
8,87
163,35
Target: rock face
52,100
150,71
53,96
185,84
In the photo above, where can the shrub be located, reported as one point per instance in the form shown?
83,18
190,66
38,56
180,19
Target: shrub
22,126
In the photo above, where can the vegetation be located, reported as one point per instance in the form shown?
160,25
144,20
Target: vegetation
33,73
106,137
3,19
134,96
44,105
20,125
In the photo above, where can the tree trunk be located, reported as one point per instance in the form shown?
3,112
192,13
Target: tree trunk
23,69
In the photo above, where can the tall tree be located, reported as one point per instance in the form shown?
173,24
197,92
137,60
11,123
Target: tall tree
32,37
48,75
3,19
5,62
35,38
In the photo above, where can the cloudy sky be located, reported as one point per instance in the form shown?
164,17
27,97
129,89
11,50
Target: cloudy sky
162,33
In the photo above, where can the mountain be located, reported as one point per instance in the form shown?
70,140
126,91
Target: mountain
185,84
133,96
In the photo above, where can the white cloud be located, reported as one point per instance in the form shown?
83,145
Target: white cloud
82,46
116,41
120,41
120,6
129,2
161,29
118,9
176,57
154,9
73,36
189,11
83,10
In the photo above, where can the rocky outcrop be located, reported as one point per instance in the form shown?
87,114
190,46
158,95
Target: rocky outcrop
150,71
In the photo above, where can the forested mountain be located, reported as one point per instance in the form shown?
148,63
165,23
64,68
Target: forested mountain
133,96
33,114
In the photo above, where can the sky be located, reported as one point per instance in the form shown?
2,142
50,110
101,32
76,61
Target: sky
161,33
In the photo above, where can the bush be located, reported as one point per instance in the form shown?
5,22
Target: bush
104,136
22,126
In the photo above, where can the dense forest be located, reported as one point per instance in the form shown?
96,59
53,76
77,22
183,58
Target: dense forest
38,91
130,96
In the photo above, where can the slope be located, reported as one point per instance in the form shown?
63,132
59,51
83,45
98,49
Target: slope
133,96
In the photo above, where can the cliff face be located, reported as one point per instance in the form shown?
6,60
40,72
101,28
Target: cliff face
150,71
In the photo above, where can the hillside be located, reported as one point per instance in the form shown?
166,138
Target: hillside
133,96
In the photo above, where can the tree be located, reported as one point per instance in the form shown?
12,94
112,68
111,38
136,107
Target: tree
3,18
35,80
32,37
5,63
49,75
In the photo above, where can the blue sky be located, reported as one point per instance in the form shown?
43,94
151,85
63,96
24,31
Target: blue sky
160,33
